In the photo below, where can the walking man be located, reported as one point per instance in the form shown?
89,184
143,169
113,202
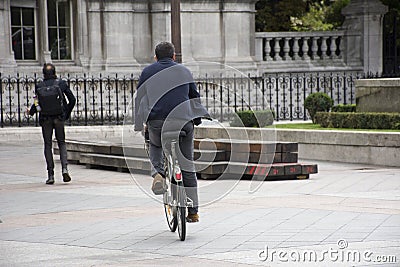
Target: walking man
53,110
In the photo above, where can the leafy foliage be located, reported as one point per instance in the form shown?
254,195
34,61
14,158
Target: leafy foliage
274,15
299,15
316,102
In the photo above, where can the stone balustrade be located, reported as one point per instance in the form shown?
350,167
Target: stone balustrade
313,50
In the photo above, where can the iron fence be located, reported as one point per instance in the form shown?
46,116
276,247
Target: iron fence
106,100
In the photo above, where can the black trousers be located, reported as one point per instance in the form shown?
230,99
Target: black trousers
48,125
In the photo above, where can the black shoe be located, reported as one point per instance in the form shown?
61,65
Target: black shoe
66,177
50,180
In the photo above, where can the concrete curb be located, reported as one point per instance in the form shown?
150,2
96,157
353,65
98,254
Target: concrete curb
72,132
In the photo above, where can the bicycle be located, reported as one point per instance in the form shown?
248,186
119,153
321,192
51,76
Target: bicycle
174,197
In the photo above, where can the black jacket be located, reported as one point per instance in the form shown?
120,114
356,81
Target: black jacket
167,89
66,92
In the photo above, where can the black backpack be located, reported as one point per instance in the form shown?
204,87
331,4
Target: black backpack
51,99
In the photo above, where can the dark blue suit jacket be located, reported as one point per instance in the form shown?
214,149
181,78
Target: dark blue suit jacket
167,90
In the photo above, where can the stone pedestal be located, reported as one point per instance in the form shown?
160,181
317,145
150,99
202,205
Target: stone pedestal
378,95
365,17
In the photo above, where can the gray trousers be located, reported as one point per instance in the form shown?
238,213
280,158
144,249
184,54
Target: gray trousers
48,126
184,154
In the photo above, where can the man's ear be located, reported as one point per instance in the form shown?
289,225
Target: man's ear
155,58
174,57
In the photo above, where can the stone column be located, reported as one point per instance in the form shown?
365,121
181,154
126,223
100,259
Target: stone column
366,18
111,36
95,39
160,24
143,48
44,54
7,61
202,31
239,33
219,31
119,42
81,35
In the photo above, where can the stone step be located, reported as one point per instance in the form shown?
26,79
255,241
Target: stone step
263,147
120,163
212,158
284,153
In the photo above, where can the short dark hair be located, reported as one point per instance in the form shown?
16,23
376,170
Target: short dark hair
165,50
49,71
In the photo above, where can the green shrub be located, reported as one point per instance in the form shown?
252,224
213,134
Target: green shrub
344,108
358,120
317,102
250,118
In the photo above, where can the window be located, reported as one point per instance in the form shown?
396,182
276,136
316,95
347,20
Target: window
59,21
23,33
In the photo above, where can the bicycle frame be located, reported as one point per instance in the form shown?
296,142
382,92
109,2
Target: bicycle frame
174,197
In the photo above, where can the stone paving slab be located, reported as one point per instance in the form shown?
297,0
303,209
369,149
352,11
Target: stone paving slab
103,218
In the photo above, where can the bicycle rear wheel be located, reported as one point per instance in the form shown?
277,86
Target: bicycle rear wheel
181,213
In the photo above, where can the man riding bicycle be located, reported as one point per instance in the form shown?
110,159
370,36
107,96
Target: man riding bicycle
167,100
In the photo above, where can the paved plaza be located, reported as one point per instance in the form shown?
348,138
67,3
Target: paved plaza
345,215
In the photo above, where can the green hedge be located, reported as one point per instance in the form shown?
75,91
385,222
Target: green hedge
250,118
361,120
344,108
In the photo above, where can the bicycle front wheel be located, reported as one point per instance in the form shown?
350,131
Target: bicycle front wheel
181,217
170,214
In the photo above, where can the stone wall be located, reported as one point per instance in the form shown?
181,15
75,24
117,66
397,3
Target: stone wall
372,148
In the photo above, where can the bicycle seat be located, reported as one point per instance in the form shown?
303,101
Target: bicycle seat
173,134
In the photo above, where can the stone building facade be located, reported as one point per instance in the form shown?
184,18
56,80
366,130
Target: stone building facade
117,36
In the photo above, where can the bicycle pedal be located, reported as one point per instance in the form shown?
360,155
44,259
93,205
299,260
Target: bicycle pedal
189,202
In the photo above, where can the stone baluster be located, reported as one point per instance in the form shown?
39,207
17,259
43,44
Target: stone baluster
305,48
314,48
332,47
286,48
340,46
259,49
277,49
267,49
296,48
324,47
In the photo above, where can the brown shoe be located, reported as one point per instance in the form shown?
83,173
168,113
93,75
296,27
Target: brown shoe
192,218
158,184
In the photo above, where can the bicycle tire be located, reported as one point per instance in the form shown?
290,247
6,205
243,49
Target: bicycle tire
181,213
170,210
171,217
